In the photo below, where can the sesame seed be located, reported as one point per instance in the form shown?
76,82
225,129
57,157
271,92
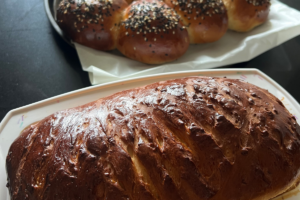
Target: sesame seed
134,48
138,21
154,39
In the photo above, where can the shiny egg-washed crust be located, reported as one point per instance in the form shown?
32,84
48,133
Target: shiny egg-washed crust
195,138
151,32
244,15
109,24
206,20
93,23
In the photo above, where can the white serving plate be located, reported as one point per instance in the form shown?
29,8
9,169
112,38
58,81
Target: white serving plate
16,120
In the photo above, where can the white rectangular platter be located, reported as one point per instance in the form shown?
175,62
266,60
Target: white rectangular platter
16,120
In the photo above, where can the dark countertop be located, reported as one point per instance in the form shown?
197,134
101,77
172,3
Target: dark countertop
35,63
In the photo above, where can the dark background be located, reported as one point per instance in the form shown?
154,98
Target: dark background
35,63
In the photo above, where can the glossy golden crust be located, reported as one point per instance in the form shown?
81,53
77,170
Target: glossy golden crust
151,32
194,138
109,24
206,21
244,15
93,23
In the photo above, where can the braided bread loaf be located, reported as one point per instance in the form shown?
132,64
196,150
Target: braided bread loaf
149,31
195,138
155,31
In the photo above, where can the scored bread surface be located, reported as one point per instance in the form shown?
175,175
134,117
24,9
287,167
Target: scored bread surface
195,138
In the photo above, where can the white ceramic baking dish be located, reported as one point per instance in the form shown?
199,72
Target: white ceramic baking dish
16,120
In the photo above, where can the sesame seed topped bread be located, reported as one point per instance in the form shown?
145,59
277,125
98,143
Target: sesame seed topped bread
206,21
150,31
92,23
158,37
195,138
156,31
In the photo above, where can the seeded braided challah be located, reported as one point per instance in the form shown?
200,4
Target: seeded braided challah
155,31
149,31
195,138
